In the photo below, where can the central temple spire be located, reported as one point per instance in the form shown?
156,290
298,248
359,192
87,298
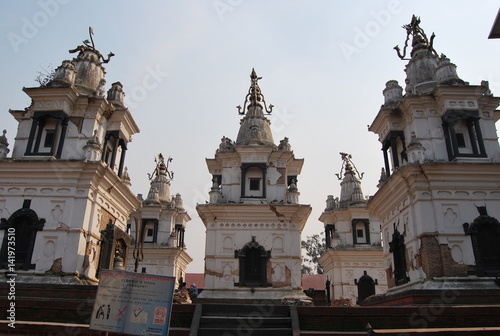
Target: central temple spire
255,128
159,191
351,193
254,96
425,69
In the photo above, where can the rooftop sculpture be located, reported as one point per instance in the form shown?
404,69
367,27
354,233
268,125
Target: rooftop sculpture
254,95
89,45
418,37
348,165
161,168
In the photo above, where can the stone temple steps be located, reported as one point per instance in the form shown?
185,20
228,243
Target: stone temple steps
255,319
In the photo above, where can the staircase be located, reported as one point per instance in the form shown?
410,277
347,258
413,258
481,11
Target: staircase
248,320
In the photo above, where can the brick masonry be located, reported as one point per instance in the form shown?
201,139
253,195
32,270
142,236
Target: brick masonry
436,259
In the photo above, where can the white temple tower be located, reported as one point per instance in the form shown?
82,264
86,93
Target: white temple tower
163,220
442,164
64,190
353,259
254,219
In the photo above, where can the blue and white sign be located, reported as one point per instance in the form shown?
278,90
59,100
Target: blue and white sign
133,303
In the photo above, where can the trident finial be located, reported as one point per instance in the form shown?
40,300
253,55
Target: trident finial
161,168
347,164
418,36
254,95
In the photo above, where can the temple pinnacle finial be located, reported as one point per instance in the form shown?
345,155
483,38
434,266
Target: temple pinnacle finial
348,165
90,45
253,75
161,168
419,39
254,96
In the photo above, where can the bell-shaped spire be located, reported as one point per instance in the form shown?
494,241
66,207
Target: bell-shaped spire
415,150
88,65
64,75
350,193
160,182
93,148
425,68
126,177
116,95
255,128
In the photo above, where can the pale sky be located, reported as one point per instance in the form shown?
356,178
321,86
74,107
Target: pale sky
185,65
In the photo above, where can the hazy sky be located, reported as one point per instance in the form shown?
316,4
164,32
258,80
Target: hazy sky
185,65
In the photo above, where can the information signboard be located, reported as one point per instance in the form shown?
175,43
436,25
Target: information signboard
133,303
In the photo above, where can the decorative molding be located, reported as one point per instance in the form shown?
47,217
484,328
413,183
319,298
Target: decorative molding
254,225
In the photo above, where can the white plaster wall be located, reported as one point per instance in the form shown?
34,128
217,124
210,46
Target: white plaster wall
220,253
73,144
444,216
67,210
23,131
231,188
274,190
164,229
344,270
490,137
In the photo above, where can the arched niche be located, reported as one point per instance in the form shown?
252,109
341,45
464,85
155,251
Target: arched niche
253,259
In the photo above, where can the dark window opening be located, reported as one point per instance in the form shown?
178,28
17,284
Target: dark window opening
254,184
361,231
252,266
253,177
366,287
330,234
23,225
112,142
49,139
180,232
462,133
253,260
150,230
107,156
395,145
460,140
47,134
143,270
